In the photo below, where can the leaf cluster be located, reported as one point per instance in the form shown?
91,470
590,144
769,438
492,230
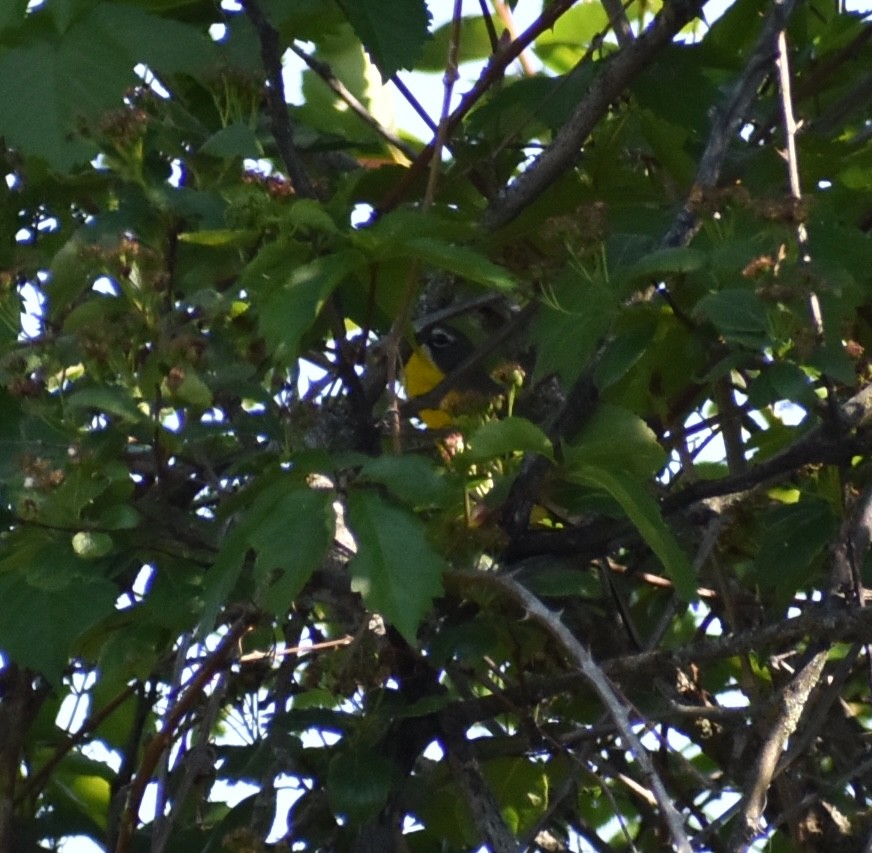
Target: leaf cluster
619,601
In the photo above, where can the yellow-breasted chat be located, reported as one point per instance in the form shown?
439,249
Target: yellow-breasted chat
442,353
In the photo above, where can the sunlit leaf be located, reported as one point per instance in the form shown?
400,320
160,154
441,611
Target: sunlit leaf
508,435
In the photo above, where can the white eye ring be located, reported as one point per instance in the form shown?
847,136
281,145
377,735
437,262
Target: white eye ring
440,338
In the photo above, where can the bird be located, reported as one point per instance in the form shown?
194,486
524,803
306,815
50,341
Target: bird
442,352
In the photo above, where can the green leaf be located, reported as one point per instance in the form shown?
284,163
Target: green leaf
412,479
39,621
616,439
739,315
85,789
509,435
12,13
643,512
233,142
358,784
564,44
292,539
290,527
457,259
105,400
793,537
291,309
395,569
307,213
664,262
474,44
570,323
79,74
392,31
191,390
70,275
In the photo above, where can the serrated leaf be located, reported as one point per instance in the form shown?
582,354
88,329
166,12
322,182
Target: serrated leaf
84,71
793,537
307,213
69,275
191,389
291,541
665,262
642,510
278,525
232,142
509,435
570,323
38,625
358,784
392,31
104,400
457,259
395,569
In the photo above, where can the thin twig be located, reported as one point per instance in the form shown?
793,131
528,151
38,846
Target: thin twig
609,696
508,20
326,73
414,103
448,80
164,738
179,666
35,783
495,70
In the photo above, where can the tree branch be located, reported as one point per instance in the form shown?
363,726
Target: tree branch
495,70
484,807
819,445
162,740
582,659
608,84
326,73
792,702
727,124
277,107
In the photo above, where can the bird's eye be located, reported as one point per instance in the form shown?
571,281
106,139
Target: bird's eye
440,338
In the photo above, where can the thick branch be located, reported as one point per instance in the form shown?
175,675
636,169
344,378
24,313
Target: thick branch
483,804
609,83
793,702
819,445
838,626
